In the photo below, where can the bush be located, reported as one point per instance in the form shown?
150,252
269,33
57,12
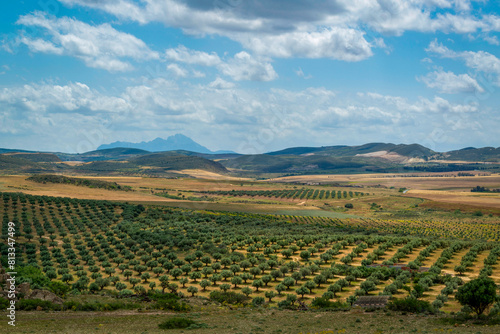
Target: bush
59,288
410,304
228,297
478,294
4,303
98,306
168,301
176,323
32,304
349,206
258,301
323,302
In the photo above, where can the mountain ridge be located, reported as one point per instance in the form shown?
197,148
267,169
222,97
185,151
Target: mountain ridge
172,143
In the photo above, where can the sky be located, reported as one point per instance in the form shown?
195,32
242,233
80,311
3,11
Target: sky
250,76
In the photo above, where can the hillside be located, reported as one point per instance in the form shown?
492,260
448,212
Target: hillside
170,161
16,164
36,157
119,153
264,163
474,154
411,151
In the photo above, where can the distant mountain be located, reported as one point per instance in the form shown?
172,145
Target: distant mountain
172,143
490,154
410,151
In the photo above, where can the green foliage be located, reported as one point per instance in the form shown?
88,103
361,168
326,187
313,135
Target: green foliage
4,303
410,304
168,301
32,304
325,303
59,288
32,275
49,178
99,306
478,294
228,297
176,323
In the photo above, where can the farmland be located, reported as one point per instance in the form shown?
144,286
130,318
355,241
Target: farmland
282,246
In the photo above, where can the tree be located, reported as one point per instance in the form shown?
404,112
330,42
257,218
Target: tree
280,287
247,291
460,269
257,284
334,288
301,291
134,281
184,281
266,279
204,284
310,285
145,277
320,279
194,276
224,287
236,280
192,290
288,282
478,294
270,295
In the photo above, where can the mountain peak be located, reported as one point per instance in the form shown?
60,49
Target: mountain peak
172,143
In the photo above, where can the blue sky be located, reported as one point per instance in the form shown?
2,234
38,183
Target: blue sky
249,76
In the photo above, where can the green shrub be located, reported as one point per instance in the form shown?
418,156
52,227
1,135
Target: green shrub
99,306
323,302
176,323
168,301
59,288
32,304
258,301
228,297
410,304
349,206
4,303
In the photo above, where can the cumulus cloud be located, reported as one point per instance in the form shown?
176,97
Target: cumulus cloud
450,83
331,29
220,111
99,46
335,43
177,71
243,66
220,83
185,55
477,60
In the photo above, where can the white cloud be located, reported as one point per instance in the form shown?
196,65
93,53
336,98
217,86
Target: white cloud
177,71
245,67
335,29
219,83
99,46
220,112
450,83
242,66
185,55
478,60
335,43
